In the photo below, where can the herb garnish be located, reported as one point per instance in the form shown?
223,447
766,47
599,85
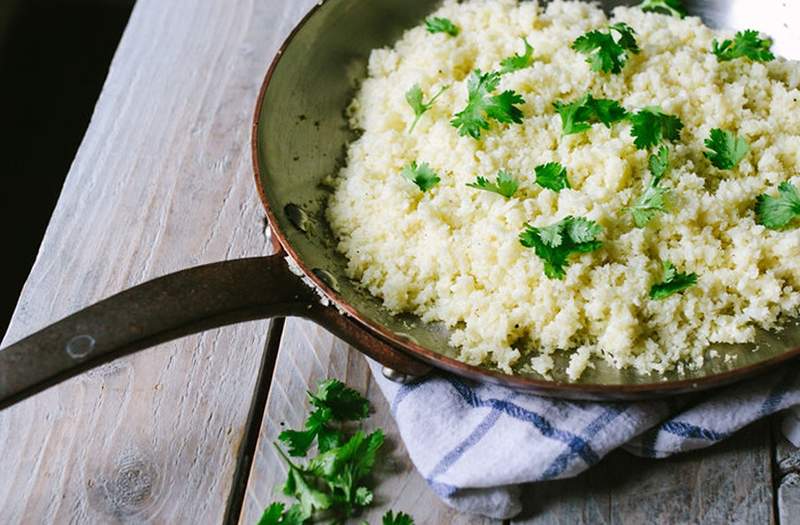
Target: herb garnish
517,62
653,200
745,44
778,212
401,518
552,176
482,105
414,99
329,483
651,126
604,53
579,115
725,149
673,7
673,282
422,175
505,184
441,25
555,243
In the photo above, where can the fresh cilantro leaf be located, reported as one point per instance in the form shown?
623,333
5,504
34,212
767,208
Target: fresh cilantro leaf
745,44
272,515
441,25
505,184
555,243
275,515
423,176
309,498
651,126
344,467
401,518
603,52
659,164
579,115
726,149
482,105
344,403
414,99
672,282
649,204
673,7
778,212
517,62
333,402
552,176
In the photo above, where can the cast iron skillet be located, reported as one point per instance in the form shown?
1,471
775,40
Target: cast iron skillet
299,136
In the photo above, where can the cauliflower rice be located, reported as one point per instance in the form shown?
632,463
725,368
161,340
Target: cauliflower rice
452,254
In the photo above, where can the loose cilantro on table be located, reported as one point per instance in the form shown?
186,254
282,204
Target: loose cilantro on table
555,243
673,7
747,44
441,25
401,518
604,52
673,282
330,485
517,62
651,126
552,176
579,115
482,105
504,185
414,99
653,200
333,402
778,212
725,149
422,175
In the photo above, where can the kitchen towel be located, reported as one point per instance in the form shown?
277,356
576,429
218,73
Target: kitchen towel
476,443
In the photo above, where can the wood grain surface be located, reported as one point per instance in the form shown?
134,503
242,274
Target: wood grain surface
162,181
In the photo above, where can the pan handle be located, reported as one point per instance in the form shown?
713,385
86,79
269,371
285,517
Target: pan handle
174,306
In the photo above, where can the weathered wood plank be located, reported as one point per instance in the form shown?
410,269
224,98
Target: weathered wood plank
307,355
730,483
162,181
787,477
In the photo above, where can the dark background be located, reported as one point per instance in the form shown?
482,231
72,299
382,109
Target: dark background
54,57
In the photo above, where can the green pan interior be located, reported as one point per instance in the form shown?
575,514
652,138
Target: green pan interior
303,136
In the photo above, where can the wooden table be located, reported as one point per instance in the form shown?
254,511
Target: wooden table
180,433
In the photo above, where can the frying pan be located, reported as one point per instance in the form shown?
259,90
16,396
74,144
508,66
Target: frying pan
299,138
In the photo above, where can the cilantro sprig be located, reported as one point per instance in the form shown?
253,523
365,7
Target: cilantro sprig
517,62
654,198
482,105
673,7
552,176
555,243
776,213
422,175
672,282
329,485
504,184
651,126
579,115
401,518
603,51
747,44
725,149
333,402
414,99
441,25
